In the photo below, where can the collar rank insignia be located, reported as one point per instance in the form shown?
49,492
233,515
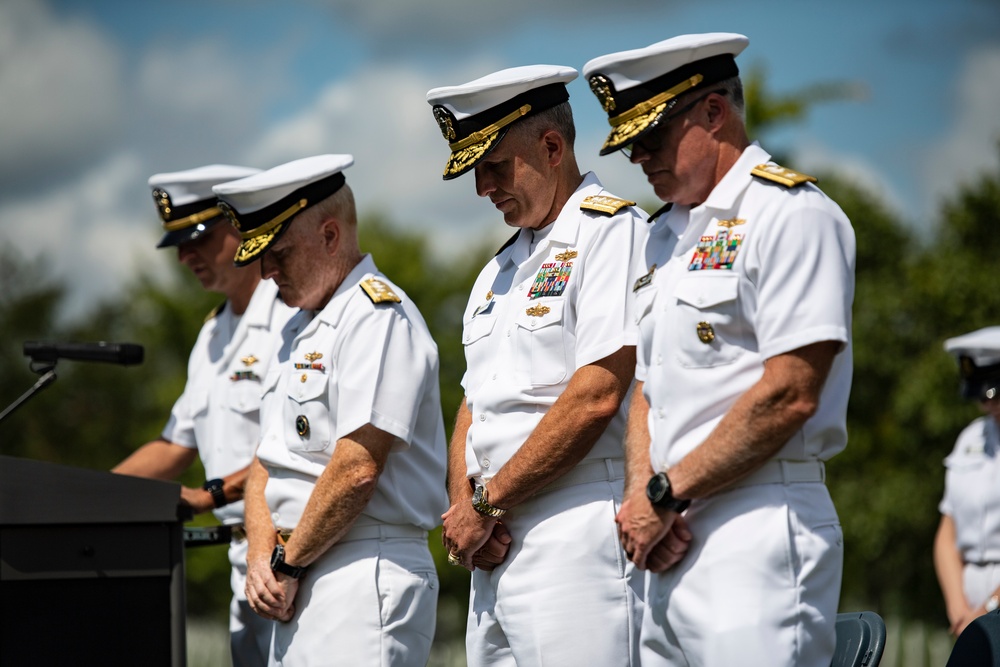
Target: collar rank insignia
782,175
537,311
604,204
378,291
644,280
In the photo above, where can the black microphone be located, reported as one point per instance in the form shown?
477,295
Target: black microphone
126,354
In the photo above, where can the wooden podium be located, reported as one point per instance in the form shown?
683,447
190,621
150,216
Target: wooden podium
91,567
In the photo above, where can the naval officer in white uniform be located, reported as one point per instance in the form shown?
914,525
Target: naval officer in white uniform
967,544
350,472
217,416
536,461
743,303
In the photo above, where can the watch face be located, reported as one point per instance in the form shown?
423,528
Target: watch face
277,556
657,487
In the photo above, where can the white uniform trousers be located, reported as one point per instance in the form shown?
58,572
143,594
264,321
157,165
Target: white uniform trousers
979,580
249,634
759,585
370,602
565,594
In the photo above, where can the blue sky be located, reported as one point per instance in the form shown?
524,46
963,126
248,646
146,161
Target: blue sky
97,96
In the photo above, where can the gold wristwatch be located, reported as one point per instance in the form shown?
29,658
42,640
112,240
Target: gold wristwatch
481,503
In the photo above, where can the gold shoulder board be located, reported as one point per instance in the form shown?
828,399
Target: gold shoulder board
604,204
782,175
378,291
215,311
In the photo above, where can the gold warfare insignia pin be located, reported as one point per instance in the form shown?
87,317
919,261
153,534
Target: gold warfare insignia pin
445,123
537,311
566,256
706,334
732,222
600,85
313,356
228,211
163,203
250,360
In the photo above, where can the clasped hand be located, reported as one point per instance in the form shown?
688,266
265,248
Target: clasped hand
472,539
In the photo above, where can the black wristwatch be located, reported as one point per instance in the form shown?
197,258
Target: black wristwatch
660,494
278,563
214,486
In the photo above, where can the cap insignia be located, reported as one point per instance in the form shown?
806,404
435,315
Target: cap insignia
378,291
228,211
163,203
537,311
604,204
445,122
782,175
602,88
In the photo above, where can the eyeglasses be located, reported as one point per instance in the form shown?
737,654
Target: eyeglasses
652,141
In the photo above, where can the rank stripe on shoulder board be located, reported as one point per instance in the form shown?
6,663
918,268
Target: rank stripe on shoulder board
604,204
778,174
378,291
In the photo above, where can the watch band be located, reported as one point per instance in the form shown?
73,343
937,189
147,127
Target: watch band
216,488
660,493
278,563
481,503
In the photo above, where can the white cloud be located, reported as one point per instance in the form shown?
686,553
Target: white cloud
62,94
95,240
970,144
379,115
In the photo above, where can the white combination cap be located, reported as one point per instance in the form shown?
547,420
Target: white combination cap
638,88
263,205
186,203
475,116
978,354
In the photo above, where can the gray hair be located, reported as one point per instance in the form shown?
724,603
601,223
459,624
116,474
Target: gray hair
733,88
558,118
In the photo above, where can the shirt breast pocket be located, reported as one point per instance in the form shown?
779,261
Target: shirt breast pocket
475,338
541,349
309,428
708,322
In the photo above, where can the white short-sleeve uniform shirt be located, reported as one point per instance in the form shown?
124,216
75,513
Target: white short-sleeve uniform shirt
745,276
356,362
219,411
755,271
549,303
972,500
